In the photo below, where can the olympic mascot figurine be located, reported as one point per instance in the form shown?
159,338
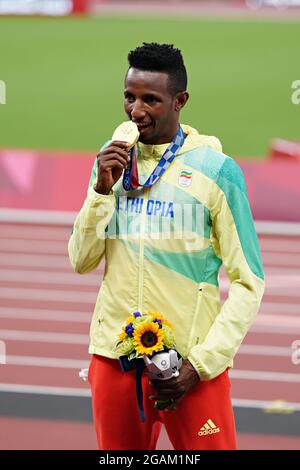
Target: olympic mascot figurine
163,365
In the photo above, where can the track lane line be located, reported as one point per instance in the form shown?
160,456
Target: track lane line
40,336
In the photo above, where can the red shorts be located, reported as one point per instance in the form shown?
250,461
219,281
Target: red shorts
203,419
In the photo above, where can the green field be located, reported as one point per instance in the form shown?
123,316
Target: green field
64,79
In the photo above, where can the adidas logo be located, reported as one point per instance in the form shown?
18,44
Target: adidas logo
208,428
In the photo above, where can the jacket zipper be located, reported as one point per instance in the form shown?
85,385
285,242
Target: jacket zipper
141,253
195,318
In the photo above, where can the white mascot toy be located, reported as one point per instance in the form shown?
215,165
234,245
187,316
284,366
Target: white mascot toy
163,365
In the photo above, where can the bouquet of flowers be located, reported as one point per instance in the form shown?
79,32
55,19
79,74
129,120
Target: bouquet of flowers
145,335
149,337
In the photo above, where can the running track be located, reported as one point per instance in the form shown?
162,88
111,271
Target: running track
45,311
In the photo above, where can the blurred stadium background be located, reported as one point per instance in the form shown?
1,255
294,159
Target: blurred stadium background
62,65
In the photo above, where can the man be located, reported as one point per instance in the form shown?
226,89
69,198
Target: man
152,265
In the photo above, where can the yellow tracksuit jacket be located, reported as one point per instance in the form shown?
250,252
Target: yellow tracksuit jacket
163,248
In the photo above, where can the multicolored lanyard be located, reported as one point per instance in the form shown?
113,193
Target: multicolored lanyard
130,177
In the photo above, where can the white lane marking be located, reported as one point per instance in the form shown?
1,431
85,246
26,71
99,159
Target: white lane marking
276,284
51,261
281,280
264,375
45,390
44,337
290,291
277,278
273,270
34,246
277,320
277,228
49,295
45,315
264,404
276,330
40,261
55,362
278,307
29,232
258,350
46,277
37,216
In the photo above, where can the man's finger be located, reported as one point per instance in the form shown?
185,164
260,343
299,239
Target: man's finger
109,152
120,143
164,383
170,388
110,161
113,164
169,396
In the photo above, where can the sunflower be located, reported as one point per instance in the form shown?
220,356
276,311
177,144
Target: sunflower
159,316
148,338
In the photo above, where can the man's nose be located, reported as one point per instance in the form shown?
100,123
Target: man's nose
137,111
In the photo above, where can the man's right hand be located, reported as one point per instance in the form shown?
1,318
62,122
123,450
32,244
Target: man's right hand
111,163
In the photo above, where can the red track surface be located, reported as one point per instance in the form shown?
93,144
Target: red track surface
45,311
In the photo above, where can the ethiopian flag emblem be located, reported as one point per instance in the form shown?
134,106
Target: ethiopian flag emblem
185,178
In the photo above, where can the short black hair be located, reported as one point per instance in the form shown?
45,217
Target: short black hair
161,58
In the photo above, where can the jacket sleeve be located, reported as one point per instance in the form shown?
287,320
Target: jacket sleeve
87,242
234,240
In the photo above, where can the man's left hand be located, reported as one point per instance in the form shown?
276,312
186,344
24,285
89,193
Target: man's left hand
173,390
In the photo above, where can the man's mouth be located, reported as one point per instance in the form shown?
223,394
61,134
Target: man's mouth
143,126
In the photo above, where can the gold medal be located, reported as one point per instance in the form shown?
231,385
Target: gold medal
127,132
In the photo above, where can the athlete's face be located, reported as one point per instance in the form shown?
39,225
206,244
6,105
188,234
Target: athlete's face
149,103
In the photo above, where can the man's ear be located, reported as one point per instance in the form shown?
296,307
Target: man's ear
180,100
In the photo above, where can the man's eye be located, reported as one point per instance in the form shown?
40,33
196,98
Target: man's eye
151,99
129,98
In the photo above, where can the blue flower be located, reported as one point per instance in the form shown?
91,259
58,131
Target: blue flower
137,314
156,320
129,329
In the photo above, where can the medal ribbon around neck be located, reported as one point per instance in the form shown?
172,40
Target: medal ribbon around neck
130,177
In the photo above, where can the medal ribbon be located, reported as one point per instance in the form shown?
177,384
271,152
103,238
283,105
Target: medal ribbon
130,177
